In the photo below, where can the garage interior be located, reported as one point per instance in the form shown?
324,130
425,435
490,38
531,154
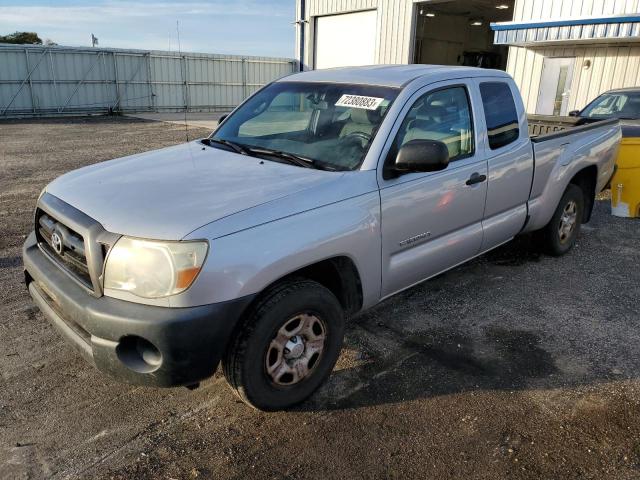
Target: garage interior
451,32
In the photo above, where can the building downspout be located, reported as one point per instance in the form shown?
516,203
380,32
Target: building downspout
301,23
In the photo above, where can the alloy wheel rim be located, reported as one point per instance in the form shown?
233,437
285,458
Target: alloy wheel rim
296,349
568,221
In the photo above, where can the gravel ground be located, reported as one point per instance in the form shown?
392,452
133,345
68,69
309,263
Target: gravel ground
515,365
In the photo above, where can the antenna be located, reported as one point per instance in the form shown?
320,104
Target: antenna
184,81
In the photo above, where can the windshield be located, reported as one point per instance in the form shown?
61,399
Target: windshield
614,105
328,123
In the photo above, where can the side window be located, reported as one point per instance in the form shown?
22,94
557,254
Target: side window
500,114
609,105
443,115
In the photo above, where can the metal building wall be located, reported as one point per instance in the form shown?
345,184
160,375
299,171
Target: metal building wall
612,65
547,9
394,30
331,7
37,80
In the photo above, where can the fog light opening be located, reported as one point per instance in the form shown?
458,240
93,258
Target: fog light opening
138,354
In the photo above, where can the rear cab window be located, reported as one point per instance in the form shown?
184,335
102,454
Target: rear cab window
500,114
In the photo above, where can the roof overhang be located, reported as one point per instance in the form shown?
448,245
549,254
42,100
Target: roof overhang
617,28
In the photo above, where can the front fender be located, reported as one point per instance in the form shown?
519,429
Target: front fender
248,261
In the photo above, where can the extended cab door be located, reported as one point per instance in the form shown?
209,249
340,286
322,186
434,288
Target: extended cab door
508,151
432,221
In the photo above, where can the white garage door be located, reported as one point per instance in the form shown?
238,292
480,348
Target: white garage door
345,40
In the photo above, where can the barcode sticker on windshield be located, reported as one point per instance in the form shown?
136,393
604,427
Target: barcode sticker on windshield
359,101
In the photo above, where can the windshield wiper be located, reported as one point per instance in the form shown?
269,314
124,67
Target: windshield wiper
241,149
290,157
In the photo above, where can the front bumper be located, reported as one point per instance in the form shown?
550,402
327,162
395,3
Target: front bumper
115,335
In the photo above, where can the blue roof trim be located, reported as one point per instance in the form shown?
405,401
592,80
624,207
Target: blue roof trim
502,26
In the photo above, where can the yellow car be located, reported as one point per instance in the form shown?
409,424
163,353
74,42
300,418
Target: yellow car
623,104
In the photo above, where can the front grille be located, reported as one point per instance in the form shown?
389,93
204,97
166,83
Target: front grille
70,251
75,242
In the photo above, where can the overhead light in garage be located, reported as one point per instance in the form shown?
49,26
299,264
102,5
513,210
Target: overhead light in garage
475,23
427,14
502,6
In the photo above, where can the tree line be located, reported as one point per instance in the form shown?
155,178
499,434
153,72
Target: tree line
29,38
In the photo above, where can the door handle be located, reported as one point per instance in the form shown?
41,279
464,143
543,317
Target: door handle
476,178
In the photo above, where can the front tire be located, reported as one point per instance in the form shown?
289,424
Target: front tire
286,347
560,234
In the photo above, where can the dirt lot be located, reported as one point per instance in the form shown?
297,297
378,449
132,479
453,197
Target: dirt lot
514,366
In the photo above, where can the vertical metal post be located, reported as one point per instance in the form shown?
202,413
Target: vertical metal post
33,102
105,79
185,79
115,76
53,78
301,24
152,97
244,78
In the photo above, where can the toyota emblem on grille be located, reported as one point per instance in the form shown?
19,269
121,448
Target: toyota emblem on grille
56,242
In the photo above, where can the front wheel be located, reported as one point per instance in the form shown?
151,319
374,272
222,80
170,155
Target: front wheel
286,347
560,234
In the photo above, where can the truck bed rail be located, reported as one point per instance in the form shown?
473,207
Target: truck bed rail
569,130
543,124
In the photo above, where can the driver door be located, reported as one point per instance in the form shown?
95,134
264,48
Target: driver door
433,221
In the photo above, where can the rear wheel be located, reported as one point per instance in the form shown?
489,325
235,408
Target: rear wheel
560,234
287,346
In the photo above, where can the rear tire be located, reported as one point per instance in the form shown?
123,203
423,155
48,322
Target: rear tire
560,234
286,347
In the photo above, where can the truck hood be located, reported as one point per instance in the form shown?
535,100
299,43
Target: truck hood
166,194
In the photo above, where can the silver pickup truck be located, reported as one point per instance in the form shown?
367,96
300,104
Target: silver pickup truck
321,195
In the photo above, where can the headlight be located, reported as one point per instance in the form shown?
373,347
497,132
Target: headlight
153,269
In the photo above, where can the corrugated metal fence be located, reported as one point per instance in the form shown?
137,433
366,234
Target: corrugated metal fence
38,80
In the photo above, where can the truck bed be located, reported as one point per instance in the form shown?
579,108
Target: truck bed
560,155
544,124
541,127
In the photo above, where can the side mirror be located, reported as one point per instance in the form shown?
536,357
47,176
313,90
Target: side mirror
222,118
422,156
574,113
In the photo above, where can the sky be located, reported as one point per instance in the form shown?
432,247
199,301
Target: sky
246,27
